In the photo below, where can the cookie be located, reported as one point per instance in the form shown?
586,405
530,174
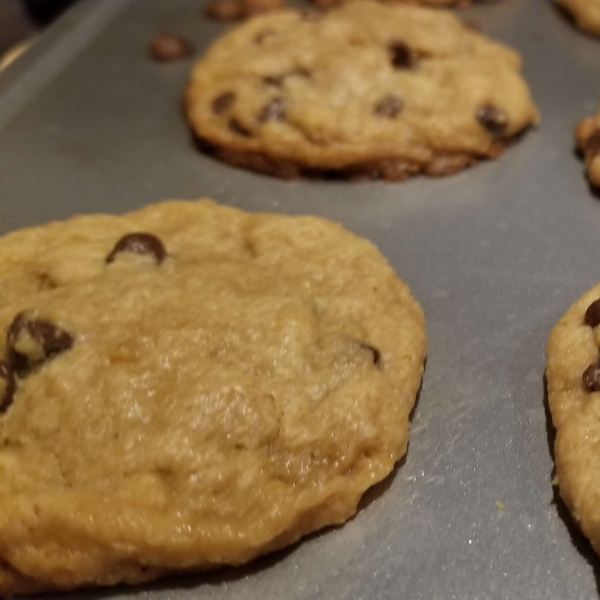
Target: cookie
573,380
587,137
585,13
436,3
365,90
190,386
234,10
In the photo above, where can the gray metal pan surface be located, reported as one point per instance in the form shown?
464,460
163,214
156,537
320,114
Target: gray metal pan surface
495,255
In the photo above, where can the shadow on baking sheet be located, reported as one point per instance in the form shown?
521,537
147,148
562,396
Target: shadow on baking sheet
226,574
581,543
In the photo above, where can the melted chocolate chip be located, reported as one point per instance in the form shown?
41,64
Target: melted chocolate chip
591,377
139,243
169,47
33,341
592,144
223,102
272,111
402,57
492,118
592,314
239,128
276,80
388,106
7,385
376,353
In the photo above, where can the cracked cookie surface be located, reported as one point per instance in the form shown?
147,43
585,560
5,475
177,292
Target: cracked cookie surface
364,90
192,385
573,383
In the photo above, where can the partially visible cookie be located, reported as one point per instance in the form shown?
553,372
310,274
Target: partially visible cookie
433,3
585,13
365,90
587,136
189,386
234,10
573,380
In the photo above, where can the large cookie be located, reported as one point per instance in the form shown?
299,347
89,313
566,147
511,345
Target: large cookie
587,137
189,386
367,90
573,379
585,13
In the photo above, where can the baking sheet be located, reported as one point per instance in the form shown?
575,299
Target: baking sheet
495,255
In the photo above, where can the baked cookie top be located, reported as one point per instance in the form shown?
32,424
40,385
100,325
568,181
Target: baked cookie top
585,13
587,137
192,385
366,88
573,380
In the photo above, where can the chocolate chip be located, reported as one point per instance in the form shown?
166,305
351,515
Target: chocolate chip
591,377
239,128
492,118
388,106
139,243
272,111
402,57
376,353
7,385
592,144
169,47
33,341
592,314
276,80
223,102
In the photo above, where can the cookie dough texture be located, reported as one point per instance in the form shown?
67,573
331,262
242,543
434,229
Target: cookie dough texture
213,406
572,348
364,90
587,137
585,13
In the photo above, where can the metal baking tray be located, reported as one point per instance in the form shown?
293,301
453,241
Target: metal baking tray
495,255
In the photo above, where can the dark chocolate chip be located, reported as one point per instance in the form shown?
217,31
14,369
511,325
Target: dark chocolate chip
402,57
492,118
239,128
223,102
591,377
376,353
169,47
33,341
7,385
276,80
592,314
592,144
139,243
388,106
272,111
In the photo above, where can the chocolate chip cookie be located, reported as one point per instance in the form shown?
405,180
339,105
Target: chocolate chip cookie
585,13
365,90
190,386
573,378
587,137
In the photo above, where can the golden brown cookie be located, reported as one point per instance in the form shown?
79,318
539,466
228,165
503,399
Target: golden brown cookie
573,378
587,137
365,90
189,386
585,13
